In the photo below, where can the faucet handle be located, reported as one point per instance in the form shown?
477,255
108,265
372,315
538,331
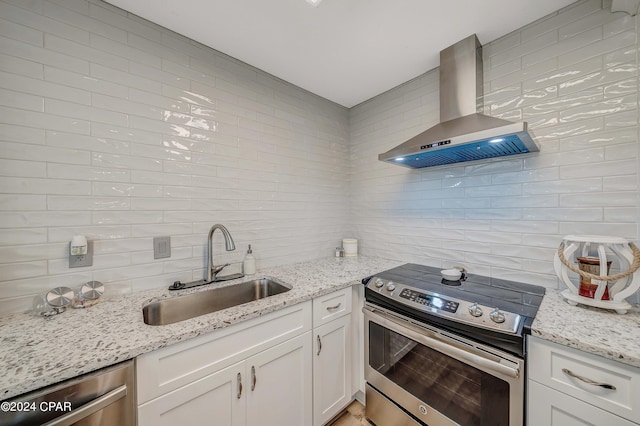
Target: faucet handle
219,268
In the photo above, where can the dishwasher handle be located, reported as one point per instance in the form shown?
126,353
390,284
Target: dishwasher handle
89,408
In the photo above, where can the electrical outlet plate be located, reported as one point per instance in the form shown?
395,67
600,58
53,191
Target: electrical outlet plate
161,247
82,259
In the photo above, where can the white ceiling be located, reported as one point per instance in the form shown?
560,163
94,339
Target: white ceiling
347,51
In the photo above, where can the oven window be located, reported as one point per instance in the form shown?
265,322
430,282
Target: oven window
462,393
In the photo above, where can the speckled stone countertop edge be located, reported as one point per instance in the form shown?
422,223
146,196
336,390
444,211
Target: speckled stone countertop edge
36,352
592,330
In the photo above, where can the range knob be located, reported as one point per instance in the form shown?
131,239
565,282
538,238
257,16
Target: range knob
475,310
379,282
391,286
497,316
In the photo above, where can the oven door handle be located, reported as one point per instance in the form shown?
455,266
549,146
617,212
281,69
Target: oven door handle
444,347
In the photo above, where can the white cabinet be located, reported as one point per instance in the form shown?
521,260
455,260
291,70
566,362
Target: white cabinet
258,372
216,396
570,387
290,367
551,407
279,385
332,363
271,388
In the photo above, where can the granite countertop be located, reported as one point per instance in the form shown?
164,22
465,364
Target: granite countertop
37,351
598,331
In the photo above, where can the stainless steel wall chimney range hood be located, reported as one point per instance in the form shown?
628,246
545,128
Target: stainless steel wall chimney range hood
463,134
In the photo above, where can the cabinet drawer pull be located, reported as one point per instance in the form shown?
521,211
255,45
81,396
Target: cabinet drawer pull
319,345
334,307
253,377
586,380
239,378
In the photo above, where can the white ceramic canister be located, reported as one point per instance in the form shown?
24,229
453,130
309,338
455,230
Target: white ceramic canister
350,246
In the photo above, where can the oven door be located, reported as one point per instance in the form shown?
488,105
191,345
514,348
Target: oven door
438,377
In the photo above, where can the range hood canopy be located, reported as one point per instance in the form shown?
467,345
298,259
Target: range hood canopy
463,133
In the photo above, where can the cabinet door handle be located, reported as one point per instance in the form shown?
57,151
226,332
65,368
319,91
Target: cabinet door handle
587,380
239,378
253,377
334,307
319,345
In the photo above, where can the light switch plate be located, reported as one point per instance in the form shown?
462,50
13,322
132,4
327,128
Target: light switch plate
78,261
161,247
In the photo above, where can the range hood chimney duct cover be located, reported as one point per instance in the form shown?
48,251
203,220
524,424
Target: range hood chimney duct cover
463,134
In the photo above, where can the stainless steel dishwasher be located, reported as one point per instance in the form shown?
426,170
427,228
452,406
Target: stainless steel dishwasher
102,398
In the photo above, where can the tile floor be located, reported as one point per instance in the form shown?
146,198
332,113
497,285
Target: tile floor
352,416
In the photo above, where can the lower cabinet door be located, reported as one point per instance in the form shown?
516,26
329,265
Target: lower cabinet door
215,399
549,407
279,387
331,369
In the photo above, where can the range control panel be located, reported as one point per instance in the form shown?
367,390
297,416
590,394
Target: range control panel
463,311
429,300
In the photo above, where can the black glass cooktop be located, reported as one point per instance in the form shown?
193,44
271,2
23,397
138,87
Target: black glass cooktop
511,296
519,298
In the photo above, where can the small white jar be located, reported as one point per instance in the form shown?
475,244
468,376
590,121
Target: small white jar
350,246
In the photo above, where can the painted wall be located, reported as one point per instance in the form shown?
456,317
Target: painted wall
573,77
121,130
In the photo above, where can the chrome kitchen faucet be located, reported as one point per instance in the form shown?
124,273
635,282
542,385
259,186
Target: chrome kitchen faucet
212,269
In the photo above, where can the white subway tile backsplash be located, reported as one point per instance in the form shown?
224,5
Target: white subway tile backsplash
22,168
102,232
21,185
103,217
605,168
619,183
27,152
130,162
43,121
146,133
575,214
22,219
124,134
556,21
22,202
119,18
35,86
84,82
621,214
76,15
37,21
156,74
41,55
163,229
624,230
32,235
158,101
20,32
598,48
72,203
14,65
89,113
156,48
603,199
87,173
135,190
124,78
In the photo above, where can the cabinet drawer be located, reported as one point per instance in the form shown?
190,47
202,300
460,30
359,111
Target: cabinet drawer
570,370
548,407
169,368
331,306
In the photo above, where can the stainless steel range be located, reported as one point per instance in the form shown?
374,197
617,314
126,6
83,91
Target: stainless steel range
441,352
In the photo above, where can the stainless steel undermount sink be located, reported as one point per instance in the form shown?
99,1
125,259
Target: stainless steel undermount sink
181,308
